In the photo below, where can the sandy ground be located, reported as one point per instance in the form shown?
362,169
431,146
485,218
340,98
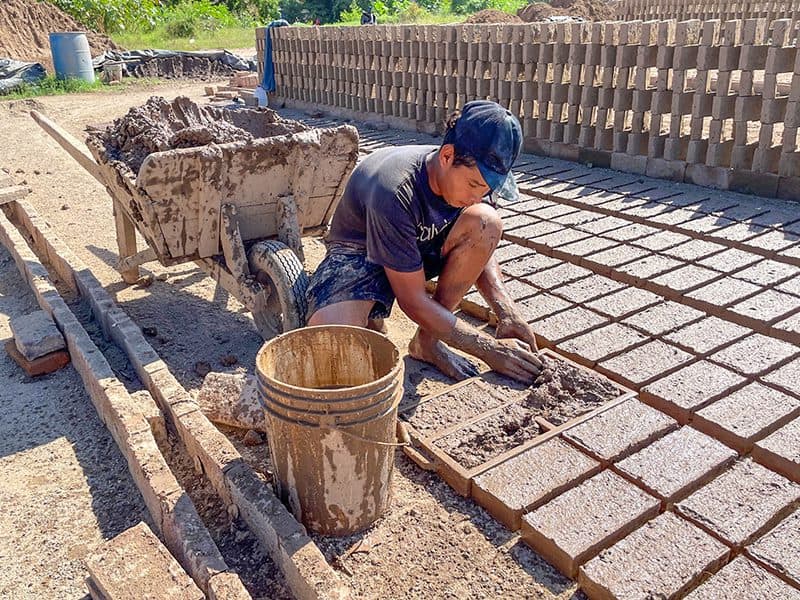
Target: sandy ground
65,486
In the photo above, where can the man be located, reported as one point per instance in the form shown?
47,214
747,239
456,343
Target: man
410,213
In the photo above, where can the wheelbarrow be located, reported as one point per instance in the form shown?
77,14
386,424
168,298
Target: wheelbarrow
238,210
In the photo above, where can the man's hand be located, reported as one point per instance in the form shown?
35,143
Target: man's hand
513,358
514,327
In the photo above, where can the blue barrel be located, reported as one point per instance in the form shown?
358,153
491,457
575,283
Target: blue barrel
71,55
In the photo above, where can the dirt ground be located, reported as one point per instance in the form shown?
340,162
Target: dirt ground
66,487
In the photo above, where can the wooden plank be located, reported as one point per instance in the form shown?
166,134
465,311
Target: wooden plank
73,147
232,246
126,241
13,193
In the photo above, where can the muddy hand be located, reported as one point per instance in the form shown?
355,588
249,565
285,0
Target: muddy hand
515,327
515,359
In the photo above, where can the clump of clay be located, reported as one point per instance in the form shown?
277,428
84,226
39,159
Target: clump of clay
563,391
160,125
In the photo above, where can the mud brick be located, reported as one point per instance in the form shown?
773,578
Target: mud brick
792,286
519,289
643,364
579,217
630,232
662,240
650,266
560,238
677,464
620,431
588,288
516,221
36,335
618,255
526,232
742,503
587,246
767,306
780,451
690,388
600,343
575,526
774,240
739,232
754,354
777,550
664,558
767,272
707,335
529,479
526,265
742,579
528,204
568,323
554,277
540,306
747,415
550,212
510,251
685,279
135,564
624,302
607,223
707,224
694,250
725,291
38,366
786,377
729,260
663,318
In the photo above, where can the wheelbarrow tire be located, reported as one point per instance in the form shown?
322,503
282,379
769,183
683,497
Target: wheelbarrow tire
277,266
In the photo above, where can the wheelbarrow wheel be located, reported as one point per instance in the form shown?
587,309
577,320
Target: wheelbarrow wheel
277,268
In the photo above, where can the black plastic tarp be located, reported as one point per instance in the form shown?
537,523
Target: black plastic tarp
133,58
14,73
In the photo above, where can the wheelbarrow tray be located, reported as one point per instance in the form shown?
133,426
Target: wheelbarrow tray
175,200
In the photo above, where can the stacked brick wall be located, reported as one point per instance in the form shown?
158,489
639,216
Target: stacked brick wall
710,102
725,10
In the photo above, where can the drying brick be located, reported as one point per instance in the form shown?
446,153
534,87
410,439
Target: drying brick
525,265
510,251
677,464
780,451
742,579
694,250
779,550
742,503
792,324
747,415
729,260
662,559
707,335
786,377
661,240
519,289
624,302
539,306
602,342
568,323
618,255
663,318
724,291
754,354
553,277
630,232
575,526
767,272
645,363
792,286
587,288
36,335
686,278
690,388
767,306
774,240
587,246
528,480
649,267
621,430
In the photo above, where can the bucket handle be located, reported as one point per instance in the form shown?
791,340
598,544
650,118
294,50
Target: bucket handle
368,441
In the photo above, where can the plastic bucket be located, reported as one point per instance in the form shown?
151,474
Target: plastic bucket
112,72
330,394
71,55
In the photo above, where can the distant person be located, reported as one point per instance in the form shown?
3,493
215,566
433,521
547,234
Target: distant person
368,17
411,213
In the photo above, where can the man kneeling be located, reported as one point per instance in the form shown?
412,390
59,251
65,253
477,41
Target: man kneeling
411,213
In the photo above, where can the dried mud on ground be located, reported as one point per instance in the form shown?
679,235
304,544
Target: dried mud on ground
432,542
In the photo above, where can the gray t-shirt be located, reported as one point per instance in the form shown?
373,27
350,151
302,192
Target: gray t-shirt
389,210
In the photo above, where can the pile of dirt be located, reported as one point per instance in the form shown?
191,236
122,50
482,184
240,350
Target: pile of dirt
563,392
590,10
491,15
24,29
190,67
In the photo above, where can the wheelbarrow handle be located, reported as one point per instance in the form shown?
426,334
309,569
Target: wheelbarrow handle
70,144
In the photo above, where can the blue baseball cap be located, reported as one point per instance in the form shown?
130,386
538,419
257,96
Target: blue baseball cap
492,136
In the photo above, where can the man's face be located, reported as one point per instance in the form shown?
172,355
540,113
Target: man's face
460,186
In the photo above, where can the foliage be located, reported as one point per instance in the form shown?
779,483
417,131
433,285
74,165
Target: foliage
226,38
51,86
465,7
112,15
189,17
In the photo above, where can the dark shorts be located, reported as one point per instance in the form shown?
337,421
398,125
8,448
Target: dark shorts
345,274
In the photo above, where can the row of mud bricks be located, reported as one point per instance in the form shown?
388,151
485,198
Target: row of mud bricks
628,10
712,103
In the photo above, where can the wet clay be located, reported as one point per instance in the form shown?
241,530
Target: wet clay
563,391
160,125
451,408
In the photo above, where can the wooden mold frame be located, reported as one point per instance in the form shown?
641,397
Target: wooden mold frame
425,452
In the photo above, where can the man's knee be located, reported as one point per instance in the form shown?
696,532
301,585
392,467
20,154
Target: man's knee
479,223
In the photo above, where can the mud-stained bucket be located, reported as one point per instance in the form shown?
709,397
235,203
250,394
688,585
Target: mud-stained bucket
330,394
